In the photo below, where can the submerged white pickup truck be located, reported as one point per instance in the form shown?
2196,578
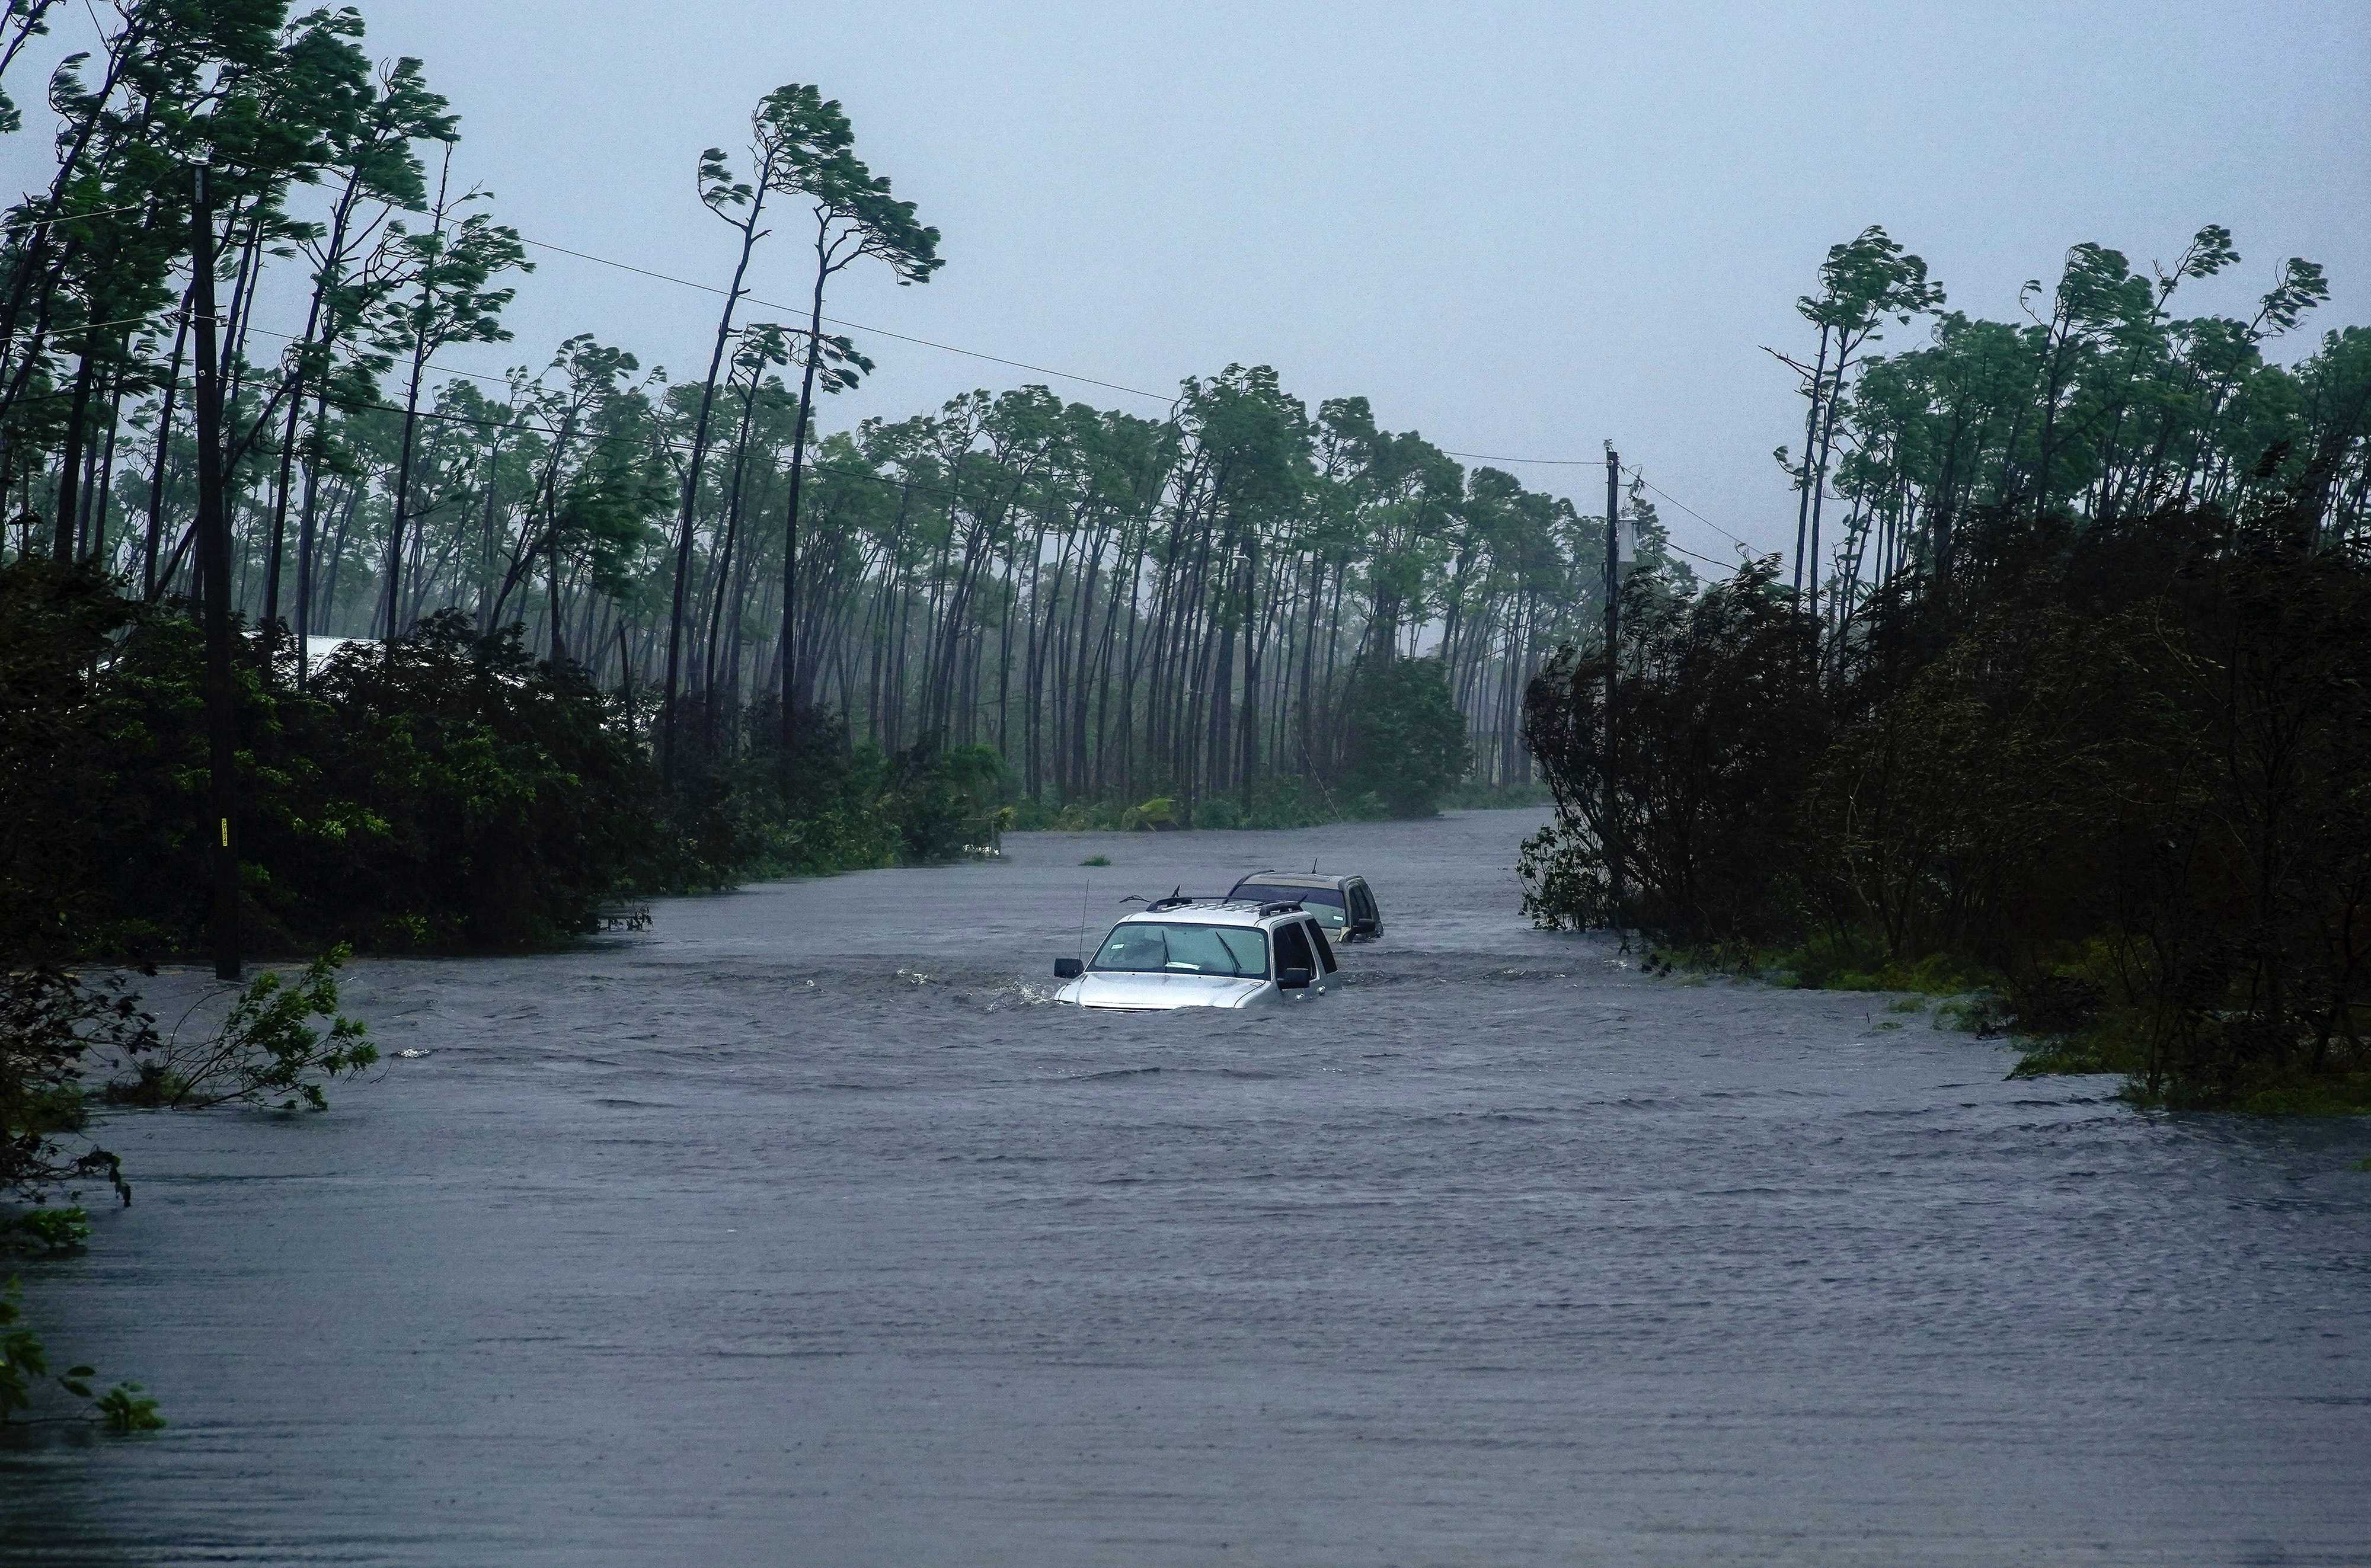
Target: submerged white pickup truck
1203,953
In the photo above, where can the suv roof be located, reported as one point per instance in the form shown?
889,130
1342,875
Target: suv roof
1215,911
1294,878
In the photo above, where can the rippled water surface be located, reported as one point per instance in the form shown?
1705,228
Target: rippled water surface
802,1230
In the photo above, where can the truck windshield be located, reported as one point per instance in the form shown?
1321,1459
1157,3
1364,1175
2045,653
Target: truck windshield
1326,903
1177,948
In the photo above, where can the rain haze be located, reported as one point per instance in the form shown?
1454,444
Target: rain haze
1209,986
1520,230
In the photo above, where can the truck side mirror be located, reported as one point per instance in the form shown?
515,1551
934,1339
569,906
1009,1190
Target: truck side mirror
1293,980
1068,969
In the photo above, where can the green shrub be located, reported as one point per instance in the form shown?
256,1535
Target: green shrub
24,1366
265,1050
23,1361
941,802
51,1232
1406,743
124,1409
1718,726
1217,814
446,791
1975,1013
52,1022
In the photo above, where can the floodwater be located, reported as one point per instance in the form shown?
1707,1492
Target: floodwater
801,1230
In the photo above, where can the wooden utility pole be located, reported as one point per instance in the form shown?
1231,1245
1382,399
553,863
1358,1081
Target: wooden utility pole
1612,665
213,571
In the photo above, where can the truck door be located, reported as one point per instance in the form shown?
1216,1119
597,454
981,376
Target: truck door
1292,951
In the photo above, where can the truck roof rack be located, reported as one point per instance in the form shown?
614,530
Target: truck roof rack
1180,900
1184,900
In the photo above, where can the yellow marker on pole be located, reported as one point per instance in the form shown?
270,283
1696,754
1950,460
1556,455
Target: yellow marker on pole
226,828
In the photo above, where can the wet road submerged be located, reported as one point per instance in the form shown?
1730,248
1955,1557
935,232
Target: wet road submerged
800,1230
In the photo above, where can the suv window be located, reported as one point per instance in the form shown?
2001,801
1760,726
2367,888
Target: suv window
1292,949
1325,948
1362,903
1150,947
1326,903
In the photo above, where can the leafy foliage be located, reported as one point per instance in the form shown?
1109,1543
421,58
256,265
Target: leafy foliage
2078,705
1407,742
1715,725
51,1023
125,1409
2131,785
943,802
2124,772
56,624
25,1366
23,1361
264,1051
2079,710
449,791
49,1232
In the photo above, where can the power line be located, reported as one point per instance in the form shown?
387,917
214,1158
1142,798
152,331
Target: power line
992,358
855,325
69,218
1691,511
73,328
1723,565
1538,461
1161,397
352,406
886,332
1013,364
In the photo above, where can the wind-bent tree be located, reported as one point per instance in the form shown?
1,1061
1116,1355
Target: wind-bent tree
570,493
1862,281
376,172
447,274
776,132
856,218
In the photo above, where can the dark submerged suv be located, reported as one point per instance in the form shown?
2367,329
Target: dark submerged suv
1345,906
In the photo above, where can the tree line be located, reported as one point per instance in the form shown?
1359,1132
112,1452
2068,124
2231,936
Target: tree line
1197,603
2063,689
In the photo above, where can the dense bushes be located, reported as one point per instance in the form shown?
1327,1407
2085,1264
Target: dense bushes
1716,718
2139,782
56,626
2074,701
1406,742
2126,767
448,793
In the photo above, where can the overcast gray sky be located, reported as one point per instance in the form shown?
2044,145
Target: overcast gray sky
1522,229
